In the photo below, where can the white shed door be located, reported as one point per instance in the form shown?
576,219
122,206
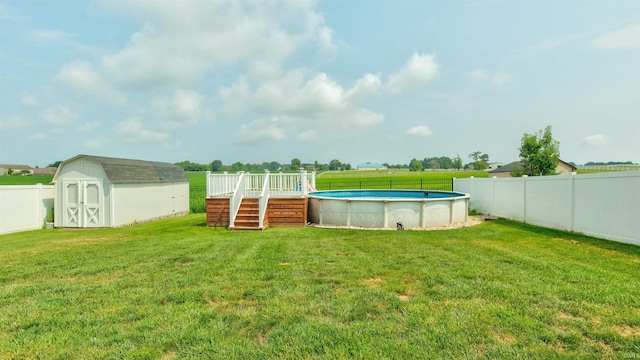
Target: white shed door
82,203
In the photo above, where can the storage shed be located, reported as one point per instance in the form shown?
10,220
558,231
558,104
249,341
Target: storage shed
95,191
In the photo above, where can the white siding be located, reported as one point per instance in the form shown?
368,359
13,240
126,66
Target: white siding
142,202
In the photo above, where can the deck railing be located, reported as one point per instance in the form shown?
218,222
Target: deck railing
280,184
264,200
236,198
240,185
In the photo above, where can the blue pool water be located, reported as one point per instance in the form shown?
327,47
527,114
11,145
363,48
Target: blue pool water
386,194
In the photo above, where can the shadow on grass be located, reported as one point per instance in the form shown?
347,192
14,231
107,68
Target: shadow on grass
628,249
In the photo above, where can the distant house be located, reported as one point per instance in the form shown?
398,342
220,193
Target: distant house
370,166
494,165
563,168
15,169
47,171
96,191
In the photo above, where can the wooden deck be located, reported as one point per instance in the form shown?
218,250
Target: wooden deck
280,212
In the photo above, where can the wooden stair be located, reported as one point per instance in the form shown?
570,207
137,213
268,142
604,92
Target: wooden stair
248,217
280,212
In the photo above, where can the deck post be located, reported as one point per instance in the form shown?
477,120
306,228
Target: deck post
208,184
303,183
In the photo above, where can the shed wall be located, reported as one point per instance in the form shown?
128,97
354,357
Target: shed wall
131,203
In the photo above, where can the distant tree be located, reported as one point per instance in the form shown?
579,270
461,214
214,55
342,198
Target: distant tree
335,164
55,164
274,166
295,164
457,162
539,154
216,165
189,166
475,156
347,166
237,166
415,165
480,161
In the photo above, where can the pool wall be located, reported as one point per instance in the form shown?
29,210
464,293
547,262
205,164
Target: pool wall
386,213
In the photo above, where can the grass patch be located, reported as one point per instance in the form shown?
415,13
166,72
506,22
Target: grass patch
175,288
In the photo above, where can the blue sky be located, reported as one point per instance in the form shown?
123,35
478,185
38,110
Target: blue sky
359,81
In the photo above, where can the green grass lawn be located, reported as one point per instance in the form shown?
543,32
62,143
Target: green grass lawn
177,289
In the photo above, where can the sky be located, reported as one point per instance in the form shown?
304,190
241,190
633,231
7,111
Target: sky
376,81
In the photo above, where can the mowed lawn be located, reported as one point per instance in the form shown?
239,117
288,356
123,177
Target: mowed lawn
177,289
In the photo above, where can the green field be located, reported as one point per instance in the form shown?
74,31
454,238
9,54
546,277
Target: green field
177,289
401,174
25,180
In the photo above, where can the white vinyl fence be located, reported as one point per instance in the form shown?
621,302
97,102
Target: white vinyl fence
605,205
25,207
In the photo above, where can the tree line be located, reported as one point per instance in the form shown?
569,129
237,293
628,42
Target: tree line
539,155
294,165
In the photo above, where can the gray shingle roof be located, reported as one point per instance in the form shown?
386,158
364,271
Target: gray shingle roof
120,171
506,168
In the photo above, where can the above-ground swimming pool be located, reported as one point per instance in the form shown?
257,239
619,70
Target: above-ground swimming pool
388,208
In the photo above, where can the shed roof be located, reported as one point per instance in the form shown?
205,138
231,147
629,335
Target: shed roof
14,166
121,171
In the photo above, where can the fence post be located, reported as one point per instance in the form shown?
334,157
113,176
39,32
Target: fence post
40,218
493,196
524,200
572,199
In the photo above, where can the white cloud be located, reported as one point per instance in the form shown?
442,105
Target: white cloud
133,130
595,140
178,44
188,106
80,77
166,114
479,74
28,100
261,130
501,79
95,143
235,97
183,109
418,70
88,126
421,131
367,85
307,135
58,115
50,35
627,38
38,136
12,122
315,105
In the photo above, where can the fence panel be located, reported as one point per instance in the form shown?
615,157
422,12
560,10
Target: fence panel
390,184
25,207
606,205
